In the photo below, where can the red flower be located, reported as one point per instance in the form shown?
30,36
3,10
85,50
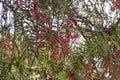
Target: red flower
34,10
54,52
117,5
118,53
74,22
73,37
79,17
38,4
70,74
3,44
20,2
93,67
68,55
112,9
118,0
13,41
35,17
34,1
8,32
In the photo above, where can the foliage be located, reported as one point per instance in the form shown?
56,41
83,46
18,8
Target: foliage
60,40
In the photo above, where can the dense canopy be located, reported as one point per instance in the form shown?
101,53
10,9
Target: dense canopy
59,39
